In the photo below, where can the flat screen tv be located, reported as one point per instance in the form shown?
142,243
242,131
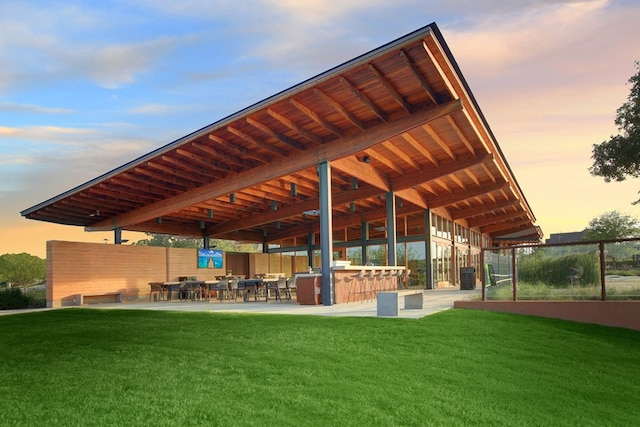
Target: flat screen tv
209,258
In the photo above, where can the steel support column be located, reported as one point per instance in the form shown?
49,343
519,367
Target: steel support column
326,232
391,229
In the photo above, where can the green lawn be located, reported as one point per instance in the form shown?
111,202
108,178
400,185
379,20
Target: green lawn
119,367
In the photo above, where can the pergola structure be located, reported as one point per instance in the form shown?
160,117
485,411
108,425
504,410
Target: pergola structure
393,132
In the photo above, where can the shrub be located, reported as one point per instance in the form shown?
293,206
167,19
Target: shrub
556,271
13,298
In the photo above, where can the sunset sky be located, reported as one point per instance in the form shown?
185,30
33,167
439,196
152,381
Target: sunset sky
87,86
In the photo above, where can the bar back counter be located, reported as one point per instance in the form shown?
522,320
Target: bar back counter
351,283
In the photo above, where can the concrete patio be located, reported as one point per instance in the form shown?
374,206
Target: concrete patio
434,301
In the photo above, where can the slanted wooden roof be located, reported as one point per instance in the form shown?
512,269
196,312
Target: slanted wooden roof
400,118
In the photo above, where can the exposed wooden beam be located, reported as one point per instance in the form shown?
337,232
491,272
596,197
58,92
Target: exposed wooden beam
316,118
242,151
201,161
391,89
479,210
364,99
420,148
281,167
494,219
294,126
399,153
376,157
461,135
426,175
441,143
413,196
280,137
223,156
362,171
292,210
340,109
436,64
459,196
256,143
506,227
423,82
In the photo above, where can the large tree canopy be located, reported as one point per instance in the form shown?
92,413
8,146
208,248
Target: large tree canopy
22,269
612,225
619,157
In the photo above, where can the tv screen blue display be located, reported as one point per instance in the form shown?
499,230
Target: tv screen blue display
209,258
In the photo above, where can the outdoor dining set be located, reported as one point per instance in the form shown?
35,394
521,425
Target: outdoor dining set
225,288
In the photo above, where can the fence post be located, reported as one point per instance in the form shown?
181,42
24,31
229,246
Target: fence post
603,292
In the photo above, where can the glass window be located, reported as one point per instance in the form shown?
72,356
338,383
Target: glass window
377,254
354,255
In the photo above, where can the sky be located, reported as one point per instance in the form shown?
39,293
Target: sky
87,86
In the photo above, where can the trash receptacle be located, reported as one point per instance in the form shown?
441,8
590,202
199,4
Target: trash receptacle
467,278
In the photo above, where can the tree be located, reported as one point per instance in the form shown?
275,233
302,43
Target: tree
619,157
167,240
22,269
612,225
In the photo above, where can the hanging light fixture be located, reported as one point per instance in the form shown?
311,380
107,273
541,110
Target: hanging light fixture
232,197
294,189
210,213
354,183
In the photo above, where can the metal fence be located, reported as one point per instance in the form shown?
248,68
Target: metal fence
596,270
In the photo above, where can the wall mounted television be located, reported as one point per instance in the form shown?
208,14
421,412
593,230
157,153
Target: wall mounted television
210,258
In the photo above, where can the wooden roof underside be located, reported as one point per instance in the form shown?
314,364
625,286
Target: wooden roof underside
405,107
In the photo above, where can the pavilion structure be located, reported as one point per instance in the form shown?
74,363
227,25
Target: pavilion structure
387,149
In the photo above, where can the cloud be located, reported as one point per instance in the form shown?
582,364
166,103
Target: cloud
13,107
155,109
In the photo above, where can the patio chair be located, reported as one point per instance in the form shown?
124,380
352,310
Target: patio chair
291,286
174,287
156,292
186,291
282,288
236,289
273,287
221,288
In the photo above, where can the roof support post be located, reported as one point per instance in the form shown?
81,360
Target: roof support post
117,236
391,229
364,233
428,245
310,243
326,235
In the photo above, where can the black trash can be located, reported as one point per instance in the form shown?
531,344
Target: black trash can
467,278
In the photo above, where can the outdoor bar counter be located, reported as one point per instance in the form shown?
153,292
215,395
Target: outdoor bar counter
352,283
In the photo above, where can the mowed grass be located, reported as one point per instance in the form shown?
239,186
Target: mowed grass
82,367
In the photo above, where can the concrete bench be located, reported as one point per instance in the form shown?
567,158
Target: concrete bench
117,297
389,302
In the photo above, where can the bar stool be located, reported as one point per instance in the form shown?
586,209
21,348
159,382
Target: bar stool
362,285
388,276
368,280
349,282
393,281
378,283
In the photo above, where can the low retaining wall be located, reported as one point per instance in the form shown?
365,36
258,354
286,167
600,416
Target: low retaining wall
624,314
